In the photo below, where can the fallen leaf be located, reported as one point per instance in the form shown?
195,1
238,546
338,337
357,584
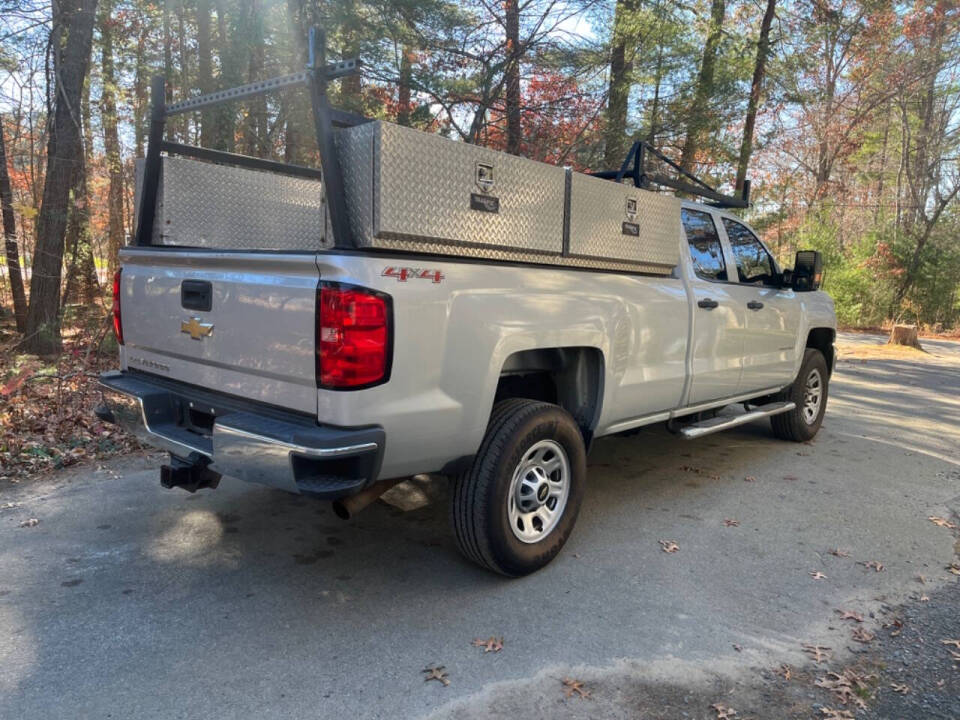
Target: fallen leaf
723,712
749,478
784,671
790,477
818,575
845,686
921,579
669,546
902,689
955,656
850,615
573,687
873,565
819,653
896,624
32,522
837,552
955,643
831,714
862,635
7,506
436,673
942,522
731,523
954,568
924,598
491,644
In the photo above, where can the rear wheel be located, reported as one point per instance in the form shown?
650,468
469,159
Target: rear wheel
514,509
809,394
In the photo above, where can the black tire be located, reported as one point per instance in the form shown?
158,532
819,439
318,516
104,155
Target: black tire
795,425
479,501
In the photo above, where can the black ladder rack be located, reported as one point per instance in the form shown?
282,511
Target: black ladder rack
316,76
633,167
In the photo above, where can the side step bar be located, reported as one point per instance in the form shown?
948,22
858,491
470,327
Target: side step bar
716,424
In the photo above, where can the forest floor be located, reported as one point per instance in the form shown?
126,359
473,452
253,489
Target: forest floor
46,404
809,578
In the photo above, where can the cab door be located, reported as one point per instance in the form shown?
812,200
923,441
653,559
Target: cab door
772,312
719,318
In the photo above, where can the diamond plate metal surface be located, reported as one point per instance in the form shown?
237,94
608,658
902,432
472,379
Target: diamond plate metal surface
230,208
598,209
421,188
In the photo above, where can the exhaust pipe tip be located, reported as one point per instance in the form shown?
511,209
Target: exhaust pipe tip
345,508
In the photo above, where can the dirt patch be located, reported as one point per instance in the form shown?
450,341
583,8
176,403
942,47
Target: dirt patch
857,351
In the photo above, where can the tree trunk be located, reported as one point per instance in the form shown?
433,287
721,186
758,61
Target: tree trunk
72,38
511,10
80,271
298,122
404,91
698,121
756,86
225,135
111,140
905,335
618,93
10,237
168,66
140,86
655,103
205,70
250,53
183,54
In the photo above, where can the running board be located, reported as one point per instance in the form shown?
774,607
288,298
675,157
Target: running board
716,424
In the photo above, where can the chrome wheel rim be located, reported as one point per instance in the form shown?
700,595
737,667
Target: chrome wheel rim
812,397
538,491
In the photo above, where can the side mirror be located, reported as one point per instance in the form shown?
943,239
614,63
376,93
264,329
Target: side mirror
807,274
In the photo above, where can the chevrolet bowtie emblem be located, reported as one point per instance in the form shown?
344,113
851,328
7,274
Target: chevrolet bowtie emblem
196,329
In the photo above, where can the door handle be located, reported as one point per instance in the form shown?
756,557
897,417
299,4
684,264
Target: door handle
754,305
708,304
196,295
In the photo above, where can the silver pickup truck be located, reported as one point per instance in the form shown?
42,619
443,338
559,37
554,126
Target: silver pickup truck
418,305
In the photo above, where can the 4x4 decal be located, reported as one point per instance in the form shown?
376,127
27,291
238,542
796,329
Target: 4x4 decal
402,274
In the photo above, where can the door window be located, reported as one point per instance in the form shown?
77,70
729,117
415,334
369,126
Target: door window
754,264
705,249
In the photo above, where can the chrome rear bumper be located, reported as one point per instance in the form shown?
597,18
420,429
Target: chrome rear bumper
240,439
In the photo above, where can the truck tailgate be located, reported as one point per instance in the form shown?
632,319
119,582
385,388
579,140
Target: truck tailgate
241,323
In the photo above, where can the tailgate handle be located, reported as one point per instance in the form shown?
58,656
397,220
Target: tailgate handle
196,295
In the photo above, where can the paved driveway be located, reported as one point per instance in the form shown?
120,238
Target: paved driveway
127,600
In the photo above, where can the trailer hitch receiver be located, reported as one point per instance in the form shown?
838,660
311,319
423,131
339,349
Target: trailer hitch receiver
190,474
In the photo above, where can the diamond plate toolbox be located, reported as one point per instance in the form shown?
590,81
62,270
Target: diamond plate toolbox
408,189
205,205
614,221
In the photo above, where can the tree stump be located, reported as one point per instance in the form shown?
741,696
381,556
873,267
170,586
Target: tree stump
905,335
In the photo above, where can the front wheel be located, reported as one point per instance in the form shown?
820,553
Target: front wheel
809,394
514,509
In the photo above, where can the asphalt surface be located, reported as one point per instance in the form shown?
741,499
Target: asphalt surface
127,600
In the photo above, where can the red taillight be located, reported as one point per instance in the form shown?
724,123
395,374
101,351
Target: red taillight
117,323
353,336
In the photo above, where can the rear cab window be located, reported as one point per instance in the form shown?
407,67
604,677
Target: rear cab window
706,252
754,264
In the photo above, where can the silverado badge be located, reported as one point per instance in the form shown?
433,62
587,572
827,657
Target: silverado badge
196,329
